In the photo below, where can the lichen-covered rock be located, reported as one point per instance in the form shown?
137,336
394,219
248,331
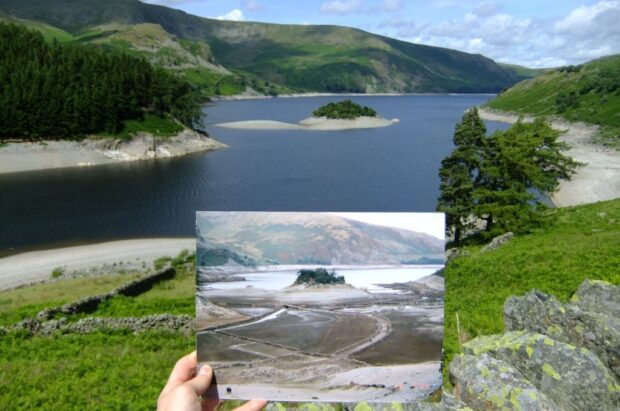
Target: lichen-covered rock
485,383
498,242
598,296
595,330
573,378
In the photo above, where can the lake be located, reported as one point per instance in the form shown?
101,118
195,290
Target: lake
384,169
370,279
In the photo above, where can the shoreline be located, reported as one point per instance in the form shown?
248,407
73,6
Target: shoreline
236,97
312,124
598,180
18,157
36,266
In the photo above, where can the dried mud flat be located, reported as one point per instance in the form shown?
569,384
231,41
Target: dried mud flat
334,343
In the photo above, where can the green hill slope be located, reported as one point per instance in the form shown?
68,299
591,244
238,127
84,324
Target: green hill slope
311,58
578,243
589,93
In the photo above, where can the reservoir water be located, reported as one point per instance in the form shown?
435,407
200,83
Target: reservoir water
384,169
373,280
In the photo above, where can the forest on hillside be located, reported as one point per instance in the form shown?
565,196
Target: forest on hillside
57,91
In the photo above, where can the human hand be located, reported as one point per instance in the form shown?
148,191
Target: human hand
184,389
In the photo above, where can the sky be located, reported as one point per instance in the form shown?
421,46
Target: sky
532,33
428,223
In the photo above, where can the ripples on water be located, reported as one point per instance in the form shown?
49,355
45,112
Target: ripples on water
385,169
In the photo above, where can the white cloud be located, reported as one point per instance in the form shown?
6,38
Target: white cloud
252,5
233,15
341,6
585,33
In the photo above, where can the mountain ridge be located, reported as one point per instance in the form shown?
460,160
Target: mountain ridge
274,58
300,238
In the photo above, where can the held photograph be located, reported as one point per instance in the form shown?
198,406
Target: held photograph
330,307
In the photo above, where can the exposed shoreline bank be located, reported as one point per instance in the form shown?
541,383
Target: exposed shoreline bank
36,266
598,180
45,155
302,95
312,123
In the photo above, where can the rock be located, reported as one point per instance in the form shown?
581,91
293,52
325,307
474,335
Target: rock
599,297
573,378
570,323
47,314
497,242
29,325
52,327
485,383
452,253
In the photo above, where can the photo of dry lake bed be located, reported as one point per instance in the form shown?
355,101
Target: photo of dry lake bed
332,307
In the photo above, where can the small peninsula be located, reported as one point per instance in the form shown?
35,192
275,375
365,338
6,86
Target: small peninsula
344,115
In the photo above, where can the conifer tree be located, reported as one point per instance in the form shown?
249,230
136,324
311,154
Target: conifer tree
496,178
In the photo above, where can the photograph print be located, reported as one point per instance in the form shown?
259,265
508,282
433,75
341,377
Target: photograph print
330,307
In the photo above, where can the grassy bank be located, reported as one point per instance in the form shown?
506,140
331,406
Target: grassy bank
588,93
105,370
576,243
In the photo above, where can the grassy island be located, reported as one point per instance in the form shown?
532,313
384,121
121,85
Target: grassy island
318,276
346,109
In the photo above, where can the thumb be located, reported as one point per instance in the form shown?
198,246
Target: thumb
254,405
202,380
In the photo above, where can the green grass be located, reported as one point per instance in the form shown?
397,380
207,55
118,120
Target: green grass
588,93
97,371
152,124
21,303
578,243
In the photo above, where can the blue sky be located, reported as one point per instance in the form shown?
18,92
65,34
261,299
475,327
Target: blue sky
521,32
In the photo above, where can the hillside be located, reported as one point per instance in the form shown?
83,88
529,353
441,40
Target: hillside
588,93
58,91
292,238
576,243
226,57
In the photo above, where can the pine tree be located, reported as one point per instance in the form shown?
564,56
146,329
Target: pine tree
496,178
459,173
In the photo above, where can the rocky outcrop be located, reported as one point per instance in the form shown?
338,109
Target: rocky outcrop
573,378
163,322
488,383
145,146
591,320
555,356
497,242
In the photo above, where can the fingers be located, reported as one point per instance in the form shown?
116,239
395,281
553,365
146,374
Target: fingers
201,382
254,405
184,370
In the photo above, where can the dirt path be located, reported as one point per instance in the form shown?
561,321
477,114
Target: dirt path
598,180
37,266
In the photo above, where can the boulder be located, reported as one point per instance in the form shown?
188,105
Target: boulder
598,296
597,330
573,378
485,383
498,242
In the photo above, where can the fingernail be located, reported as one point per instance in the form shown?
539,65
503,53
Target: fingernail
205,369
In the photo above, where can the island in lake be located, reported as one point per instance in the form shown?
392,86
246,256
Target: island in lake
343,115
